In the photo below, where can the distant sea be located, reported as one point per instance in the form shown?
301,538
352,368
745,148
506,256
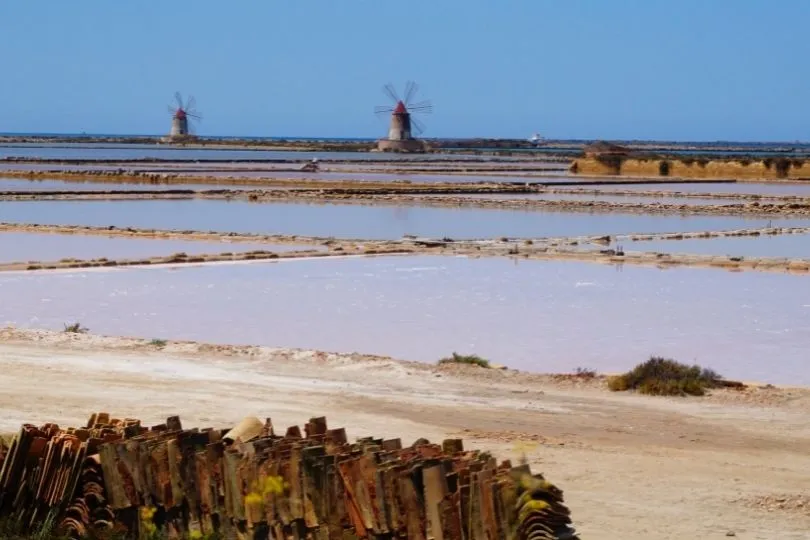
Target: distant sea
792,144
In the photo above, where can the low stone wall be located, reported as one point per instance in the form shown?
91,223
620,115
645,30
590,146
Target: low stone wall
762,169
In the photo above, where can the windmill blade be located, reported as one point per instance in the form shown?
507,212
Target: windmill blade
383,109
172,110
423,107
190,103
410,91
391,92
179,99
417,126
194,116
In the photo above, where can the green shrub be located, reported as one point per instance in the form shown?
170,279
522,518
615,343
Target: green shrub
663,377
75,328
159,343
472,359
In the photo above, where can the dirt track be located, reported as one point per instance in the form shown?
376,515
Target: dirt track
632,467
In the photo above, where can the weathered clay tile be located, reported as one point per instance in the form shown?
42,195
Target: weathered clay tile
118,473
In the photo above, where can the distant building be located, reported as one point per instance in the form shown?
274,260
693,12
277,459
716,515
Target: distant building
403,125
182,115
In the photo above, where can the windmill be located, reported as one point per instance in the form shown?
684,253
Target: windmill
182,114
403,125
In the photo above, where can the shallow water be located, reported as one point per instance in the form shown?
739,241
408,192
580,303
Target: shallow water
359,221
47,247
782,245
531,315
627,199
20,184
135,151
380,177
287,174
743,188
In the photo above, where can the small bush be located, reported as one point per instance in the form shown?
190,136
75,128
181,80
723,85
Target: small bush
159,343
585,373
472,359
663,377
75,328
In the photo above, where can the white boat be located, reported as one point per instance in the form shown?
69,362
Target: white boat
536,139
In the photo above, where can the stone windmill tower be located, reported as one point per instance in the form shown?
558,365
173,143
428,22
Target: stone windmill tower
403,125
183,114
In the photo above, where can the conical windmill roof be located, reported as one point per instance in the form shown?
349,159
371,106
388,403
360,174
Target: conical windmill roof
400,108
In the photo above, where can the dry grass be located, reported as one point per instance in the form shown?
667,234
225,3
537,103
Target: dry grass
585,373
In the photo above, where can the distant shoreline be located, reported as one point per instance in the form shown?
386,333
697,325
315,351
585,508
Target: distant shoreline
568,147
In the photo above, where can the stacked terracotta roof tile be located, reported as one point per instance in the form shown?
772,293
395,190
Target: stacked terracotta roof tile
248,480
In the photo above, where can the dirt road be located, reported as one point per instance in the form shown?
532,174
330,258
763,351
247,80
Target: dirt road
632,467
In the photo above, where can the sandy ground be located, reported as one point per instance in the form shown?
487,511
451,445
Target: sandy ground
632,467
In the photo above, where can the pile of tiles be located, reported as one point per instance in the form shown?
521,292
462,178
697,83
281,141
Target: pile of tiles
50,476
118,474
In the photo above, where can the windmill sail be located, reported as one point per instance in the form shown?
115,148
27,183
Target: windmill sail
403,126
183,113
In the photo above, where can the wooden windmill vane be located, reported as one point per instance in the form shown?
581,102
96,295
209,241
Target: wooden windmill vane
184,115
403,124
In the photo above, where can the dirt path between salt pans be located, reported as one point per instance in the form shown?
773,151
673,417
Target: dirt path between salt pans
631,467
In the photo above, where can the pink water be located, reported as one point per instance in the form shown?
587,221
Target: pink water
530,315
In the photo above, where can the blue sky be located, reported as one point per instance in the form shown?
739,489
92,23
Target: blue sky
647,69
